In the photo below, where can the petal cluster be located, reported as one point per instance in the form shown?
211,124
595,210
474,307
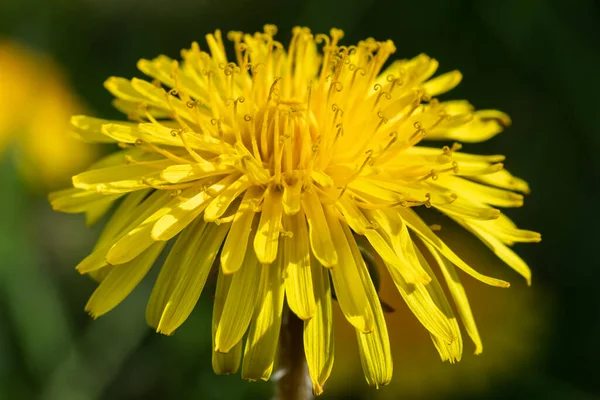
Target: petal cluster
284,172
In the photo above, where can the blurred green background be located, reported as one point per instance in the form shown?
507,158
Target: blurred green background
536,60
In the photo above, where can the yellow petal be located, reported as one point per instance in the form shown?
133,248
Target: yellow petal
158,97
128,210
484,125
392,231
501,228
348,283
127,217
94,261
121,281
298,282
76,200
121,88
184,212
374,347
160,68
101,274
223,363
164,68
318,231
472,169
466,209
263,336
501,250
353,215
321,178
503,179
191,172
137,236
124,133
367,188
419,300
443,83
219,204
420,228
396,108
267,236
481,193
234,249
458,293
291,197
120,219
89,129
240,304
133,109
122,178
183,276
318,331
168,276
452,351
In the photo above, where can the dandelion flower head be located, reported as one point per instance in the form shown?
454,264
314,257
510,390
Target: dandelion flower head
280,172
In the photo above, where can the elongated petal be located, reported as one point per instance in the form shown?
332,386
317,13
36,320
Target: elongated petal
181,213
298,280
353,215
120,219
348,283
126,212
449,351
485,125
123,178
267,236
501,250
234,249
481,193
240,304
223,363
179,173
459,295
466,209
418,299
392,231
291,198
263,336
318,231
505,230
168,277
318,331
76,200
443,83
129,215
421,229
184,276
121,281
219,204
89,130
374,347
503,179
138,239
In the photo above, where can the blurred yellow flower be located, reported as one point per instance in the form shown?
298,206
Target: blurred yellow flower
36,104
274,167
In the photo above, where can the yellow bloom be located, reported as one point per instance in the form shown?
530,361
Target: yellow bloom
271,168
36,104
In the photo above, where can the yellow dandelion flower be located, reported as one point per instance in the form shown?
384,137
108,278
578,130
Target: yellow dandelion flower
36,104
269,169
